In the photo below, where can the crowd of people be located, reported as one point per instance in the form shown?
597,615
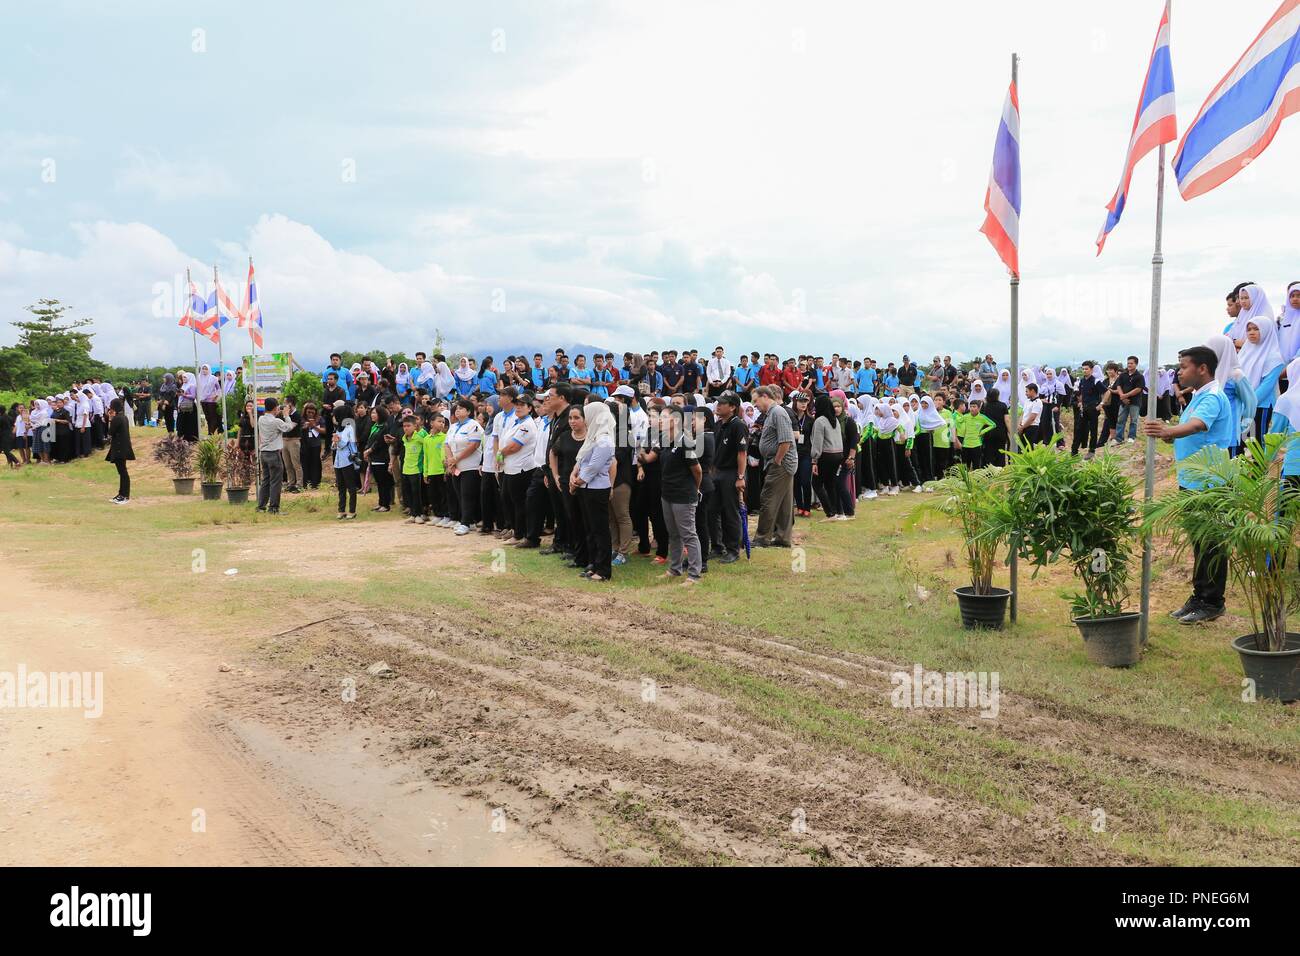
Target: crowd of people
661,454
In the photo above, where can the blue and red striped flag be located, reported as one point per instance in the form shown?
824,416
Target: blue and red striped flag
195,314
1154,125
1241,116
250,317
1002,199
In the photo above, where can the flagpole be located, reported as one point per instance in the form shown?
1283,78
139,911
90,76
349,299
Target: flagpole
194,336
257,440
221,361
1013,436
1157,269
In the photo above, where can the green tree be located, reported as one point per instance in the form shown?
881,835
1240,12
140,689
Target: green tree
58,344
19,372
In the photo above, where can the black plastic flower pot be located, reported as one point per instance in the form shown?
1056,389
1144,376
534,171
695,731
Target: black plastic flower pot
237,496
1276,673
1112,641
183,486
211,490
987,611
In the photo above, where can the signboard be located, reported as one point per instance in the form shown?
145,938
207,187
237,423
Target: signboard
274,370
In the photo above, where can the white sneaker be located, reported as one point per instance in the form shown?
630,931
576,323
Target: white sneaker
421,520
919,489
445,523
462,529
870,495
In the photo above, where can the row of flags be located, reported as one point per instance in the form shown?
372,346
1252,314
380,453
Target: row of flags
1234,126
207,316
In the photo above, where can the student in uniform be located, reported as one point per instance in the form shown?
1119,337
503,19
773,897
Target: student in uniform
464,459
937,431
414,450
435,470
119,450
847,482
883,427
1261,362
591,482
680,491
516,450
971,428
801,421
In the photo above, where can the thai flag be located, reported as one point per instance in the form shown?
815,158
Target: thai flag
1002,200
213,319
1154,124
196,312
251,315
1239,119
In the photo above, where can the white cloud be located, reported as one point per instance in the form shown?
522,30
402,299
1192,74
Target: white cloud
168,180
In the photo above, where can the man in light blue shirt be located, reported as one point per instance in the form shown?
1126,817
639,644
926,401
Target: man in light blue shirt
1206,421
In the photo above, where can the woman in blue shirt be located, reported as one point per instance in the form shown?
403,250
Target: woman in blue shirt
1261,361
1286,421
1232,380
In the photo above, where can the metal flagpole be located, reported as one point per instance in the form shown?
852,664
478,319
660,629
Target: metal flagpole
194,335
1157,268
1013,435
221,360
257,440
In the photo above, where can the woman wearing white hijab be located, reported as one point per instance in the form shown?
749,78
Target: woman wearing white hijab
426,378
209,391
1003,385
591,483
42,433
1286,421
883,427
864,413
187,417
1261,362
904,442
929,421
465,378
1165,394
1026,379
1288,328
1254,305
402,383
443,381
1232,381
977,392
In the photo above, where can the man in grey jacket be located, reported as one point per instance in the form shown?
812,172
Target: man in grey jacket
271,427
780,462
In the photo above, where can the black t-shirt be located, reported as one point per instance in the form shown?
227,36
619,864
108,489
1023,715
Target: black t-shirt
566,454
691,378
1128,381
732,439
677,484
907,375
949,374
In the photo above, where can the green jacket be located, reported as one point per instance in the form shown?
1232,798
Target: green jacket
971,429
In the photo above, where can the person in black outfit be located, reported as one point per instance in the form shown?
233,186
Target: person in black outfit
566,457
730,466
119,449
996,441
701,425
378,450
312,430
1087,410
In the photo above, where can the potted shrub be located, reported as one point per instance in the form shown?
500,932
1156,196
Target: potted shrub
1249,515
239,472
178,456
976,500
1083,512
207,458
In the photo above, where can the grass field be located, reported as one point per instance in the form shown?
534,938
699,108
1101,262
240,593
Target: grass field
791,651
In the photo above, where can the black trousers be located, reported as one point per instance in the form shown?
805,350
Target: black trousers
594,503
886,463
563,540
383,483
346,477
1085,428
123,479
922,456
537,505
413,492
1209,573
311,465
972,456
578,524
826,482
489,500
468,493
727,504
518,485
212,412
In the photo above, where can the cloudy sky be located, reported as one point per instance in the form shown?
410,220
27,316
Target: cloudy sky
790,176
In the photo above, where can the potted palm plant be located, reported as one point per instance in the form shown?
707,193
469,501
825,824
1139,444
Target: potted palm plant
178,456
975,499
1248,515
239,472
1083,512
207,458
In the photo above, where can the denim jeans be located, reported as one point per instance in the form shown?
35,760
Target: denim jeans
1130,413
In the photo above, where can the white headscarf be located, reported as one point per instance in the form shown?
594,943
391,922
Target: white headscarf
208,384
1258,307
864,410
929,419
885,421
1026,379
1258,360
1288,403
977,392
443,381
1288,333
463,371
1065,378
1003,385
906,423
600,427
426,377
1228,368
